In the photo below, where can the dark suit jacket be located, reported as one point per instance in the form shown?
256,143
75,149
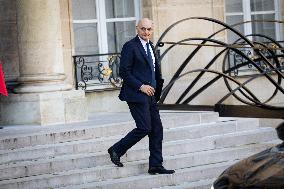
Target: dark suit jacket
135,70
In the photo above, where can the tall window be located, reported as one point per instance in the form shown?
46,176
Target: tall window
103,26
246,10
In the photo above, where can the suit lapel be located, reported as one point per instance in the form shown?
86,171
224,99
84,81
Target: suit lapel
142,50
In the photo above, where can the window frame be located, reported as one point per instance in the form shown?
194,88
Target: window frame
247,15
102,21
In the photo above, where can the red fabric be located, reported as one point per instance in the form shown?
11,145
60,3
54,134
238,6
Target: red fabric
3,89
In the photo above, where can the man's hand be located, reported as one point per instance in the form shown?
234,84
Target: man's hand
147,89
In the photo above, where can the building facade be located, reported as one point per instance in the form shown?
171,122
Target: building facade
39,39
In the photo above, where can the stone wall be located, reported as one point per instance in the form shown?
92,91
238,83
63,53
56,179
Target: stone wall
105,101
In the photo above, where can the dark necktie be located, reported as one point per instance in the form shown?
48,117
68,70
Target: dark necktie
153,82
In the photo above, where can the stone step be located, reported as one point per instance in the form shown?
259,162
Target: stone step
68,162
246,123
105,172
23,136
145,181
102,144
263,134
200,184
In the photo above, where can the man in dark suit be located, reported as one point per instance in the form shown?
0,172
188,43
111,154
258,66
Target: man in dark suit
142,85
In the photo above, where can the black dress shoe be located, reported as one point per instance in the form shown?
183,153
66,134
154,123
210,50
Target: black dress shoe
159,170
114,157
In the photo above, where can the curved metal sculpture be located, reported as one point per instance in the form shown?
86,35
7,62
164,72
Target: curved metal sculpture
262,57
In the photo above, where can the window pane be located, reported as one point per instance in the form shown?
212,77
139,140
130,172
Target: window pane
119,8
86,39
232,37
262,5
84,9
266,28
118,33
234,6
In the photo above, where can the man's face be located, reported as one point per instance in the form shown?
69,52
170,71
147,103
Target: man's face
145,29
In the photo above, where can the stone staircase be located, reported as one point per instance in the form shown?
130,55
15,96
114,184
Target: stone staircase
198,145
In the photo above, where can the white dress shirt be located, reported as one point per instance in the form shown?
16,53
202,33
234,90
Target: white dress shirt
144,44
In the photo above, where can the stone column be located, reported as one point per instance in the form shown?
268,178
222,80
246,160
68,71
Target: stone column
42,96
40,46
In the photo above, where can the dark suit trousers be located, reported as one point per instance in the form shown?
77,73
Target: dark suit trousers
148,122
